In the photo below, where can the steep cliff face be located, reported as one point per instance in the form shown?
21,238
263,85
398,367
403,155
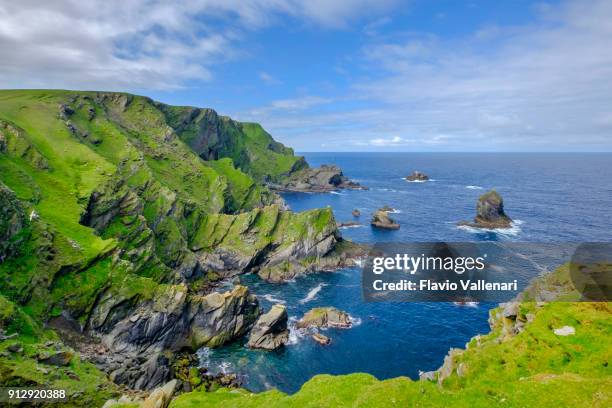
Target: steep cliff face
135,211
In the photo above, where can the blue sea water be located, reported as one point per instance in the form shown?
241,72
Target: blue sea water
553,197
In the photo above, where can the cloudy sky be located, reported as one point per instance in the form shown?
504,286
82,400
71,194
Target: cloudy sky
342,75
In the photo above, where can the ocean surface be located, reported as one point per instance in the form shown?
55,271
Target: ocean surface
553,198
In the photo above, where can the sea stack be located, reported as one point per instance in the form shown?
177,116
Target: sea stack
417,176
381,219
270,331
490,212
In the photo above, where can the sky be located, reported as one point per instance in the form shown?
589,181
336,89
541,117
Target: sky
342,75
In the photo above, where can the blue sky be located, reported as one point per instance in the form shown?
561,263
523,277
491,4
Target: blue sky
347,75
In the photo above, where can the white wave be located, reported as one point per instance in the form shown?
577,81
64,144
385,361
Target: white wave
336,193
313,293
271,298
474,187
351,226
355,321
394,211
513,231
359,262
203,356
466,304
418,181
224,367
295,334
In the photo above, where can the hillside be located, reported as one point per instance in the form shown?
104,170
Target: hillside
122,219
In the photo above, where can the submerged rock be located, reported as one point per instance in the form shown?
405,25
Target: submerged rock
356,213
321,339
417,176
270,331
490,212
348,224
322,317
381,219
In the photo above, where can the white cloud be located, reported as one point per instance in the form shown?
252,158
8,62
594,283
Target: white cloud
269,79
542,86
141,44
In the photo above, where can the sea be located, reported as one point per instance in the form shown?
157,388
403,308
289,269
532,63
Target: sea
552,198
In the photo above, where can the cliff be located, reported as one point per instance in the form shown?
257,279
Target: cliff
121,216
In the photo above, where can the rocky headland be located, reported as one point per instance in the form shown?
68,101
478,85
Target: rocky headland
321,179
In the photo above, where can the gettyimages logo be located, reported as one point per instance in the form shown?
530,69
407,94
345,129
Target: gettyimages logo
485,272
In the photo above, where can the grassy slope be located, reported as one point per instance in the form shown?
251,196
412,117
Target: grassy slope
534,368
64,265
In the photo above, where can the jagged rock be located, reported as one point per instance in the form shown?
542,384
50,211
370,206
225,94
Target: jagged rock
417,176
170,322
270,330
381,219
387,208
565,331
60,358
490,212
12,222
325,317
15,348
160,397
321,339
319,179
356,213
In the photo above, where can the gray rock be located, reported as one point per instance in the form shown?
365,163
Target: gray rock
60,358
270,331
381,219
490,212
325,317
417,176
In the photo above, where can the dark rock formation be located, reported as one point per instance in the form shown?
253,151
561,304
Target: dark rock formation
381,219
320,179
344,254
270,331
321,339
490,212
60,358
12,222
170,322
325,317
417,176
356,213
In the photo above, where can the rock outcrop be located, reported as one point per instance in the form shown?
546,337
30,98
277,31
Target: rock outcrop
322,317
490,212
270,330
417,176
12,222
321,339
319,179
171,321
381,219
